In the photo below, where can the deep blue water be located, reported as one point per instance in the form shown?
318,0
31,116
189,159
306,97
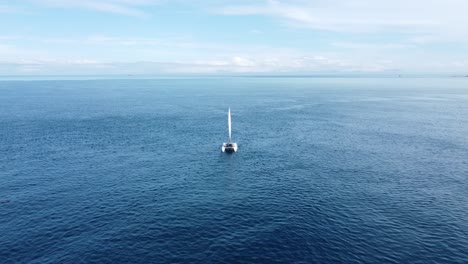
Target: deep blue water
329,170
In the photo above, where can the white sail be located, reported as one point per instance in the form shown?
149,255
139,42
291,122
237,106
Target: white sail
229,123
230,146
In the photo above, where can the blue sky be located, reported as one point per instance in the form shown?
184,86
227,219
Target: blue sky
57,37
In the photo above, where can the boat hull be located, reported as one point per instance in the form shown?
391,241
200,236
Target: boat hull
229,147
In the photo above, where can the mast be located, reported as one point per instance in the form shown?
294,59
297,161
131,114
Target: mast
229,123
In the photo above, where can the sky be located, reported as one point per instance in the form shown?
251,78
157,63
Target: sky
83,37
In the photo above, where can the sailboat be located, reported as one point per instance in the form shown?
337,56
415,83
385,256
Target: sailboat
230,146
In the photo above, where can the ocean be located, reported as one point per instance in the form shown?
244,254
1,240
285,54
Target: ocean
329,170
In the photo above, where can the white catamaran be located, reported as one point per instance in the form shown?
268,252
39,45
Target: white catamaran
230,146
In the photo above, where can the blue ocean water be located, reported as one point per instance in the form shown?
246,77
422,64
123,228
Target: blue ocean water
329,170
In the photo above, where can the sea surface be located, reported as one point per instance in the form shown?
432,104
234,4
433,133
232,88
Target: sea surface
329,170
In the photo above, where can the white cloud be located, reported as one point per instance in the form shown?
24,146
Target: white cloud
242,62
122,7
424,39
234,64
440,17
371,46
135,41
110,55
7,49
